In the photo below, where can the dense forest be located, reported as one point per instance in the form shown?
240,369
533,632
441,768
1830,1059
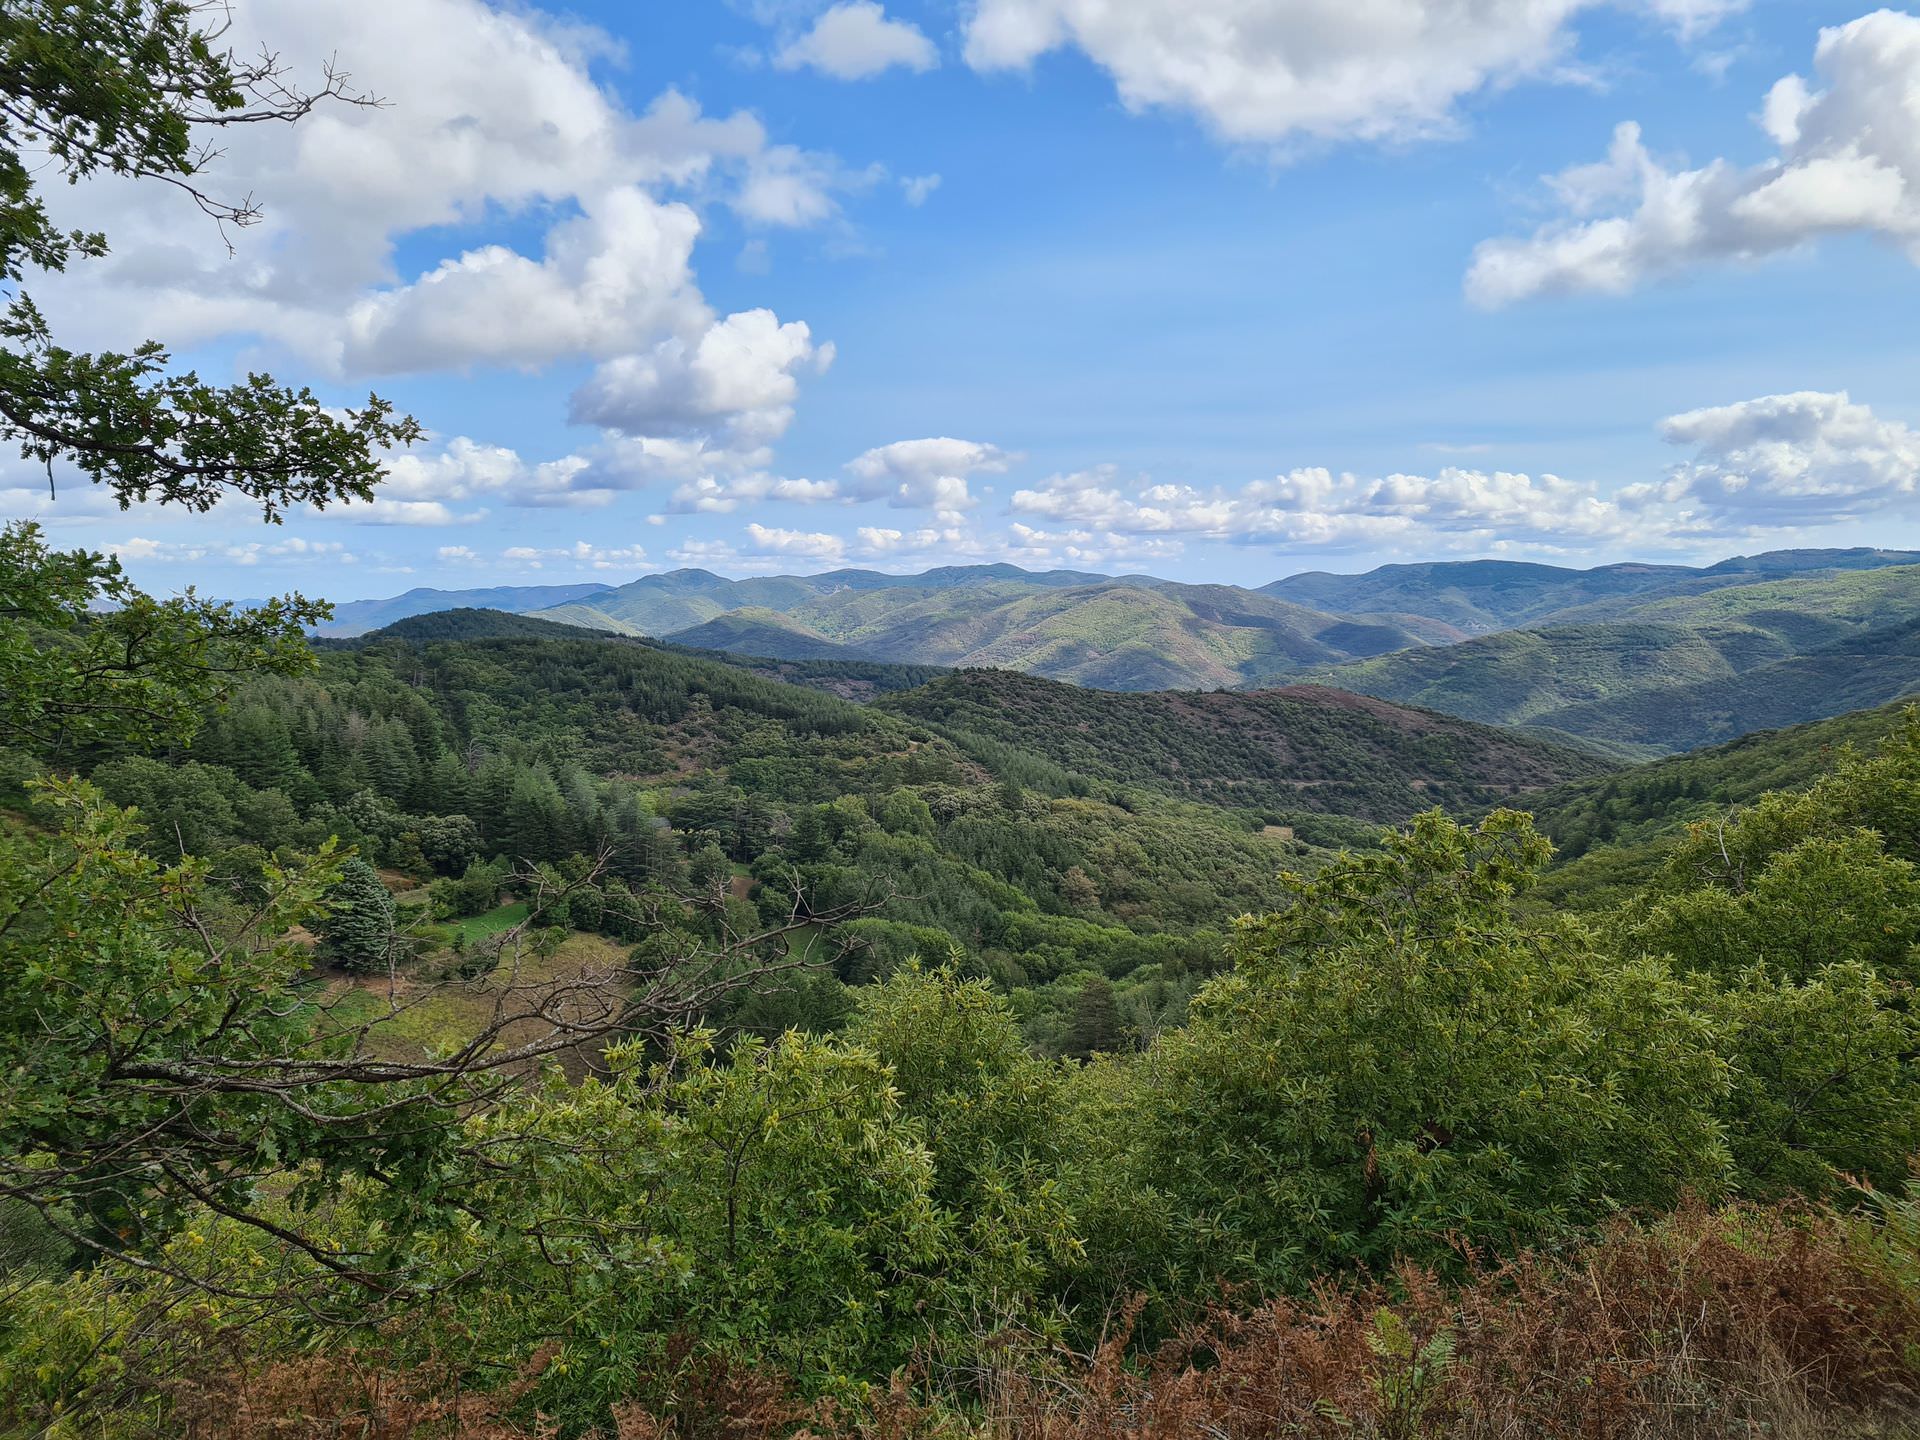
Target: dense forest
485,1028
630,1032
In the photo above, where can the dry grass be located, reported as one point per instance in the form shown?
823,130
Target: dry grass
408,1014
1746,1322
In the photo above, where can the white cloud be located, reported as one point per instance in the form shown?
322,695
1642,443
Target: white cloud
1790,460
293,550
1466,508
855,40
1848,160
381,511
620,271
492,114
1777,463
460,553
1264,73
763,550
1075,548
916,188
466,469
929,474
716,495
739,376
815,544
581,555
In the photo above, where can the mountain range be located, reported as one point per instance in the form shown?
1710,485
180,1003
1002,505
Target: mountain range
1629,659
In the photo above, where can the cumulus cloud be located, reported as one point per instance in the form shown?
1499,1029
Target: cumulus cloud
1263,73
1848,161
716,495
1464,508
581,555
293,550
929,474
1786,460
740,376
815,544
1074,548
493,113
468,470
620,270
1771,464
856,40
763,549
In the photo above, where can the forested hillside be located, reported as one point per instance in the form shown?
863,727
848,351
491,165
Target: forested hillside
1487,595
1635,660
1680,672
434,756
1117,635
1302,748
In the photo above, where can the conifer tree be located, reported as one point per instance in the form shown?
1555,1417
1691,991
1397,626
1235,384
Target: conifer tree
359,933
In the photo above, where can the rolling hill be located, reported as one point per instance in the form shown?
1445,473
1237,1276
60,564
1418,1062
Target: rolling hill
357,617
1132,633
678,600
1281,752
849,678
755,630
1114,635
1683,671
1482,596
1612,831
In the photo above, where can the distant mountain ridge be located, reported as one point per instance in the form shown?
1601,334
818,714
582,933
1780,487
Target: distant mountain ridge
1481,596
1642,658
357,617
1681,671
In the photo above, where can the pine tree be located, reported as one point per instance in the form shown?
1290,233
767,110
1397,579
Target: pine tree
1095,1028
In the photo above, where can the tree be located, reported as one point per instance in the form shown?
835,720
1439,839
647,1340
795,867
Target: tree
1094,1028
1400,1064
137,88
86,659
1825,1087
773,1205
992,1116
358,933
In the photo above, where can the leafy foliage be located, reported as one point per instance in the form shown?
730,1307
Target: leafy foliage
131,88
144,671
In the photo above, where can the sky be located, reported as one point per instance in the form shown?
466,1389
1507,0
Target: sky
1213,289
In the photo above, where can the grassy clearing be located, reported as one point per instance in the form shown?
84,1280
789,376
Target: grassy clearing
491,923
407,1016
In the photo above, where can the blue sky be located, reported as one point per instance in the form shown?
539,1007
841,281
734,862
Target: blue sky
1217,289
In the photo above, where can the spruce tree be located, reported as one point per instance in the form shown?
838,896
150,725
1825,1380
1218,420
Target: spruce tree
359,932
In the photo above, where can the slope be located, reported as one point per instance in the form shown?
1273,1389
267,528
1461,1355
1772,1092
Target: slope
1679,671
847,677
1613,831
1115,635
1279,752
357,617
680,599
1481,596
755,630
